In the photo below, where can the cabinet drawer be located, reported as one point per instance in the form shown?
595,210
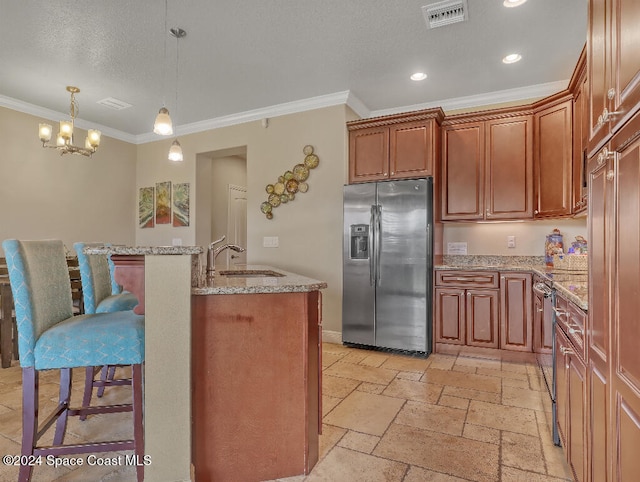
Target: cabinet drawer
473,279
571,320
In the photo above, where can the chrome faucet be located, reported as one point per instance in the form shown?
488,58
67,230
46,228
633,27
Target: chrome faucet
212,253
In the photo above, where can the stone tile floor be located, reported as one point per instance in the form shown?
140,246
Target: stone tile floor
471,416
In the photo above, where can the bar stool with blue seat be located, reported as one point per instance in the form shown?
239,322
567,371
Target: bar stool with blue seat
50,337
101,294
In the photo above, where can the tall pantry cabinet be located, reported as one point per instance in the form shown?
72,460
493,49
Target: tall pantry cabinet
613,335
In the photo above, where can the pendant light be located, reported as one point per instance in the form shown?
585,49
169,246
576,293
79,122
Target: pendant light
175,152
163,125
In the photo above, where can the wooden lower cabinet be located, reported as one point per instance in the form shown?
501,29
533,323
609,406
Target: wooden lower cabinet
256,402
484,309
515,311
482,318
571,403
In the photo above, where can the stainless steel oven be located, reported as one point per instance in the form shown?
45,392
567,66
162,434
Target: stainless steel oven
544,289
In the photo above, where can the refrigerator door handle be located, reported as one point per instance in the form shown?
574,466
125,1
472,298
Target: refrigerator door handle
378,246
372,230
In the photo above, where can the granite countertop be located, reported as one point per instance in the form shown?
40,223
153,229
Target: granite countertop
144,250
283,282
573,285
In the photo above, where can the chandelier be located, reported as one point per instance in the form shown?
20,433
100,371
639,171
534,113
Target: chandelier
64,140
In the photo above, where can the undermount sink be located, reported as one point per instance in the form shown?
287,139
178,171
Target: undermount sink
250,273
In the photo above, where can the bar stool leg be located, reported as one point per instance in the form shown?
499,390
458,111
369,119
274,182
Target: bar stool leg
65,397
29,419
138,427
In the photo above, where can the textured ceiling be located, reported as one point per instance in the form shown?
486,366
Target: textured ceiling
243,55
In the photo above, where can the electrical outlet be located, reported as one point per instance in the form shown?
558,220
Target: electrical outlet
176,241
511,241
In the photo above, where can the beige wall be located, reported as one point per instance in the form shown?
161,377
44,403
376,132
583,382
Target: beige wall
309,228
491,238
73,198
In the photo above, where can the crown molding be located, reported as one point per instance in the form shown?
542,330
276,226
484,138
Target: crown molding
55,116
487,99
329,100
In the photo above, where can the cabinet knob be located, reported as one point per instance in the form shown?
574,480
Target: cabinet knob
601,158
611,93
600,120
536,212
610,175
539,310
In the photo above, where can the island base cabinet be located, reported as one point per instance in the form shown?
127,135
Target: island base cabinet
256,386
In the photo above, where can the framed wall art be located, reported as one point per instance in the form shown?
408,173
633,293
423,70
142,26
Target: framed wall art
163,202
181,204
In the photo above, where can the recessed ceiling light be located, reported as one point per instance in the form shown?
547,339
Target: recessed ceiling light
418,76
512,58
513,3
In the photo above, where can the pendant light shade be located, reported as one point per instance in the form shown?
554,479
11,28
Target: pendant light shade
175,152
163,125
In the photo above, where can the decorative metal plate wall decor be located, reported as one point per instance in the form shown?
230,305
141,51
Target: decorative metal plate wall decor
290,183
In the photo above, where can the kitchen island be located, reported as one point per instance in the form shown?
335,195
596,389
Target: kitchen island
232,370
256,372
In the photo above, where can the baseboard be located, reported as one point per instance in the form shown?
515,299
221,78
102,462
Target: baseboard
332,337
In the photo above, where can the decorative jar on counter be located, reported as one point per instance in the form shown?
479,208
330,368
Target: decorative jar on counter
553,245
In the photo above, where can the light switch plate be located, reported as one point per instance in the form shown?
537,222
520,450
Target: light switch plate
511,241
270,242
176,241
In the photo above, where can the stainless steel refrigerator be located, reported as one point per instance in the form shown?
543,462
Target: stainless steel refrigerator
388,265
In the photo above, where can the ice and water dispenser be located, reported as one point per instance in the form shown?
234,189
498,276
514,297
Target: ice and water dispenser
359,241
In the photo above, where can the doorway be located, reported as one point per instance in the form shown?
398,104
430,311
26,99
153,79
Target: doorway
221,179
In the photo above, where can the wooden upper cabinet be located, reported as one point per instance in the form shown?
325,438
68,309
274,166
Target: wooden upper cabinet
580,139
624,91
463,172
369,154
410,152
395,147
509,168
487,170
598,66
613,58
553,160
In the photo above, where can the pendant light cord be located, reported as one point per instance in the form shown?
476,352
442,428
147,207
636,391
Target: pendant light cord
177,66
164,67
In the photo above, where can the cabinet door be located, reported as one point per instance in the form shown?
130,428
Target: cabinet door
463,172
601,248
410,152
482,318
562,390
624,91
576,421
625,327
553,161
580,129
509,168
598,68
368,154
515,312
450,316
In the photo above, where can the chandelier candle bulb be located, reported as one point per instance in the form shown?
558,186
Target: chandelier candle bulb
66,129
45,131
93,138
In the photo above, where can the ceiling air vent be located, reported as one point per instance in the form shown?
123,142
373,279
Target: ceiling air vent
114,103
444,13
